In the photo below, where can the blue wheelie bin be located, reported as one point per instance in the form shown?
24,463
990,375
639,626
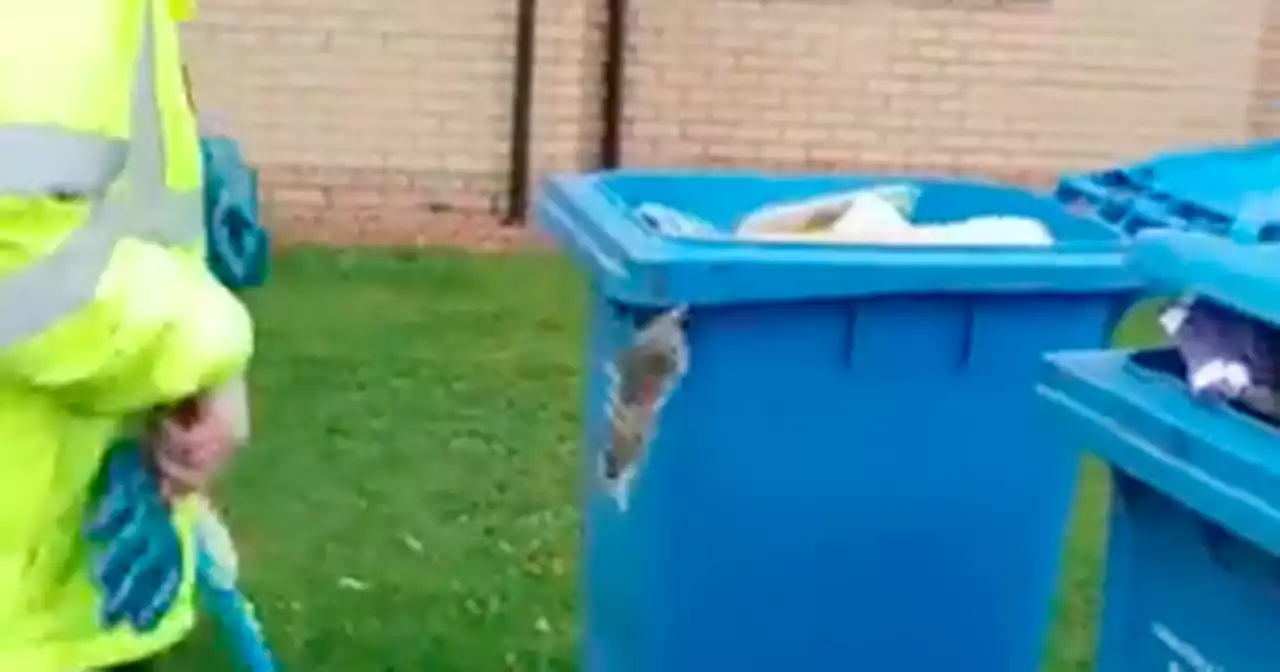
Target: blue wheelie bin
1193,559
848,475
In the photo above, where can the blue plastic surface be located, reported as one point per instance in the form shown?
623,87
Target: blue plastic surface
1193,563
1227,191
849,477
1193,567
1245,279
590,216
238,245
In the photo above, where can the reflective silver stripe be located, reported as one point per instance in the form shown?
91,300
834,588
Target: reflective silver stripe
174,219
163,216
35,297
39,160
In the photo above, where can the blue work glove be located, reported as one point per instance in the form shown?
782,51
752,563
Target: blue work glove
137,555
238,250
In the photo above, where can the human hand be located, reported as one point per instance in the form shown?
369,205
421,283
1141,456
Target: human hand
190,442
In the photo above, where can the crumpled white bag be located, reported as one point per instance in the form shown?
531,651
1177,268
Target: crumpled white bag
823,212
869,217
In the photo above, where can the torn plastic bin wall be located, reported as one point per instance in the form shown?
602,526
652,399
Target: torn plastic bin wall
848,474
643,376
1193,559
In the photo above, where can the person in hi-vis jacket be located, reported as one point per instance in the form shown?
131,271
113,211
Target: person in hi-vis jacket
107,312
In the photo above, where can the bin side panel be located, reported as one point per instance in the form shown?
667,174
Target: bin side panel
1116,585
845,484
617,622
1184,594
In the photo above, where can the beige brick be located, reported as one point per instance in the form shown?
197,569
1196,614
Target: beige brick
403,106
306,196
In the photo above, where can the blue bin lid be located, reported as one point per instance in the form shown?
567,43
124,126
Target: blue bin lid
1206,189
594,218
1223,179
1245,279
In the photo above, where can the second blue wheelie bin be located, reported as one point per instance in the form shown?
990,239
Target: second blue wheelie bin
1193,558
848,476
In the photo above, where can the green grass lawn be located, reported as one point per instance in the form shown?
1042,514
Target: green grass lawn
408,502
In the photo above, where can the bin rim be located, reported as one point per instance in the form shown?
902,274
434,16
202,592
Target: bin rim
1245,279
1212,459
634,263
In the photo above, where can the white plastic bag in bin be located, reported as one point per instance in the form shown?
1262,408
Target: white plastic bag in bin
888,205
882,215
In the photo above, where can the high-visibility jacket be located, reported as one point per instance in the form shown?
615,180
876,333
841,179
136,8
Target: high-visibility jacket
182,10
106,307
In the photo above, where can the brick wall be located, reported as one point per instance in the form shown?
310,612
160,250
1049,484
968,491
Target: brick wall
1264,111
371,115
1023,92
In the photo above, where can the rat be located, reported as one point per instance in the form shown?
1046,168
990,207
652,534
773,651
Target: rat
644,375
